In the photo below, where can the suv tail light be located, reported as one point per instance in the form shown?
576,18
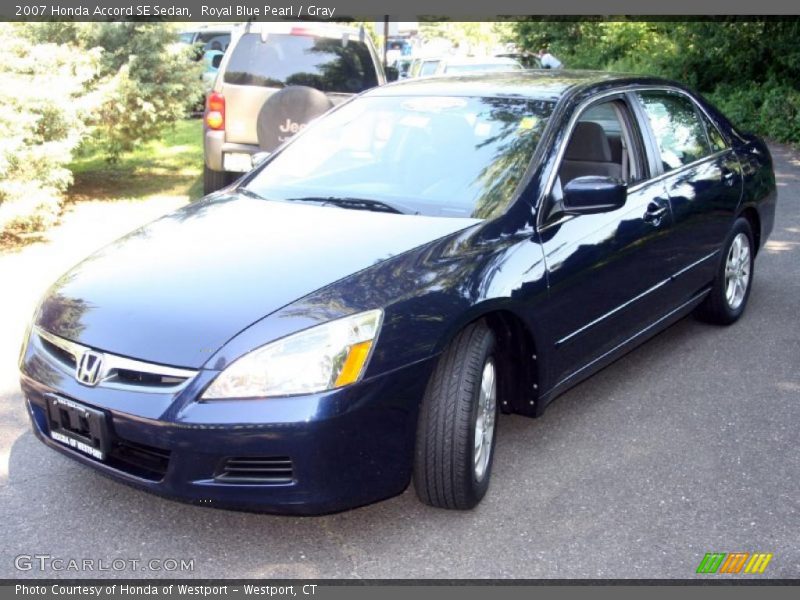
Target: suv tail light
215,111
302,31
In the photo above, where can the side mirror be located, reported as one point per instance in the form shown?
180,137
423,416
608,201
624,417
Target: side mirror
392,73
594,194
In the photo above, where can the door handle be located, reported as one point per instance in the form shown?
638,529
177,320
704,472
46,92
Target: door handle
654,213
728,176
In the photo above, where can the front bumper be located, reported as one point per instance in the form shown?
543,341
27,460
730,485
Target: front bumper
346,448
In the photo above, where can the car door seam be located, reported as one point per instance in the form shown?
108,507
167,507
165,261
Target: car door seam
627,341
634,299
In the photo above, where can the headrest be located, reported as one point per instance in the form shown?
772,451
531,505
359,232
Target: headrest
588,143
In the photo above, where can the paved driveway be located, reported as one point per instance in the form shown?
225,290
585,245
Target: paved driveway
690,444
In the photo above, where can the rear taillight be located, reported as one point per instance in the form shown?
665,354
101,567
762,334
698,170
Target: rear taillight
302,31
215,111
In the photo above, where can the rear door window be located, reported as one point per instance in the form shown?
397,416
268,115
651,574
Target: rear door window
677,127
328,64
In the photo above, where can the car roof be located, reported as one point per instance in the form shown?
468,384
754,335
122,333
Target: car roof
535,83
480,60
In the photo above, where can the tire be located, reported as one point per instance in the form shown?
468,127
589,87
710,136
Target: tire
215,180
724,303
447,464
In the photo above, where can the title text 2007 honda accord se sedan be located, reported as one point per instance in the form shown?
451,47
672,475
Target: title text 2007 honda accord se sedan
354,312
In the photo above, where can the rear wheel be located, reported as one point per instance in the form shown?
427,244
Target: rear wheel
215,180
456,429
730,290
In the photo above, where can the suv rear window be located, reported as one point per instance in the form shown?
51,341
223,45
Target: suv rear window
327,64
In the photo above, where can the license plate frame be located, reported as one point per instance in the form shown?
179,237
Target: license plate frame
79,427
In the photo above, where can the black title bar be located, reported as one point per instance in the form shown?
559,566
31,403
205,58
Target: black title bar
338,10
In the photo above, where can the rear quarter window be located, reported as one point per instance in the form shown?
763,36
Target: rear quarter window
429,68
327,64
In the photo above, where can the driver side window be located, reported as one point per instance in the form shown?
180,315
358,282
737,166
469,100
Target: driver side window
601,144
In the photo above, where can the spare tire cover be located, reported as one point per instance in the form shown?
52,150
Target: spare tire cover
286,112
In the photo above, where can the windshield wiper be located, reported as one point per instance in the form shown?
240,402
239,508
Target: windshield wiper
249,193
356,204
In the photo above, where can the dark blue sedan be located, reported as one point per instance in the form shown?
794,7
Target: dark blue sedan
354,313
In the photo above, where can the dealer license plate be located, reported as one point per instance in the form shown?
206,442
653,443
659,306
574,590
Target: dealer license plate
78,426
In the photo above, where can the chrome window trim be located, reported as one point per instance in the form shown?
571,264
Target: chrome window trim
625,89
113,363
686,167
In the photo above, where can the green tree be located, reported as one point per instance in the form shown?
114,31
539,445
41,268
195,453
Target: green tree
121,83
750,69
475,37
44,111
146,80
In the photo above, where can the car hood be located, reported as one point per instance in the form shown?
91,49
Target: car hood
174,291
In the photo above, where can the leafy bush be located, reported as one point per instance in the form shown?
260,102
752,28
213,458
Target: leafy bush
147,80
771,109
60,83
45,107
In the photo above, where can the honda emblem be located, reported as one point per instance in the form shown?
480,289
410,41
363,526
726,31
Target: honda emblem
89,368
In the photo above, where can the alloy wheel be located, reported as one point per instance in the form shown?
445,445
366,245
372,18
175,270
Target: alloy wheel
485,420
737,271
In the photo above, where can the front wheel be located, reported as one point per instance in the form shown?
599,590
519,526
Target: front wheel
730,290
456,429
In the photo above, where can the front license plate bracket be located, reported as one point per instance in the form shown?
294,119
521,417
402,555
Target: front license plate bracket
78,426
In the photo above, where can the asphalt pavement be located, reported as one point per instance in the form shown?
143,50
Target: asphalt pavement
690,444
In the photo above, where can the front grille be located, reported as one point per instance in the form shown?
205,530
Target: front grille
115,371
256,469
59,353
140,460
134,378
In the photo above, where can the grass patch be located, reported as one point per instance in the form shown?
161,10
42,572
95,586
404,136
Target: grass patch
170,166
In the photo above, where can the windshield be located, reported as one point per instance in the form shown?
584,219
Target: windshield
329,64
438,156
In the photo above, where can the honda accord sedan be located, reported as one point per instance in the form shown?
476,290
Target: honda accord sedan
353,314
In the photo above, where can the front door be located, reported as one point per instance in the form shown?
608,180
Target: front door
606,271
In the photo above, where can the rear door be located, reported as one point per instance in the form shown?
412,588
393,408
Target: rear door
703,179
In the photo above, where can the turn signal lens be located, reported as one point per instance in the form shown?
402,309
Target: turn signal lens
215,113
354,363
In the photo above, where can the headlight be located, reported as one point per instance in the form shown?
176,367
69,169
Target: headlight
321,358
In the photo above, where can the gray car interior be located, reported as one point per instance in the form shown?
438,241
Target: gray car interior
589,153
599,145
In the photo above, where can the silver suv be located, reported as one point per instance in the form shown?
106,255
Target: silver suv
275,78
